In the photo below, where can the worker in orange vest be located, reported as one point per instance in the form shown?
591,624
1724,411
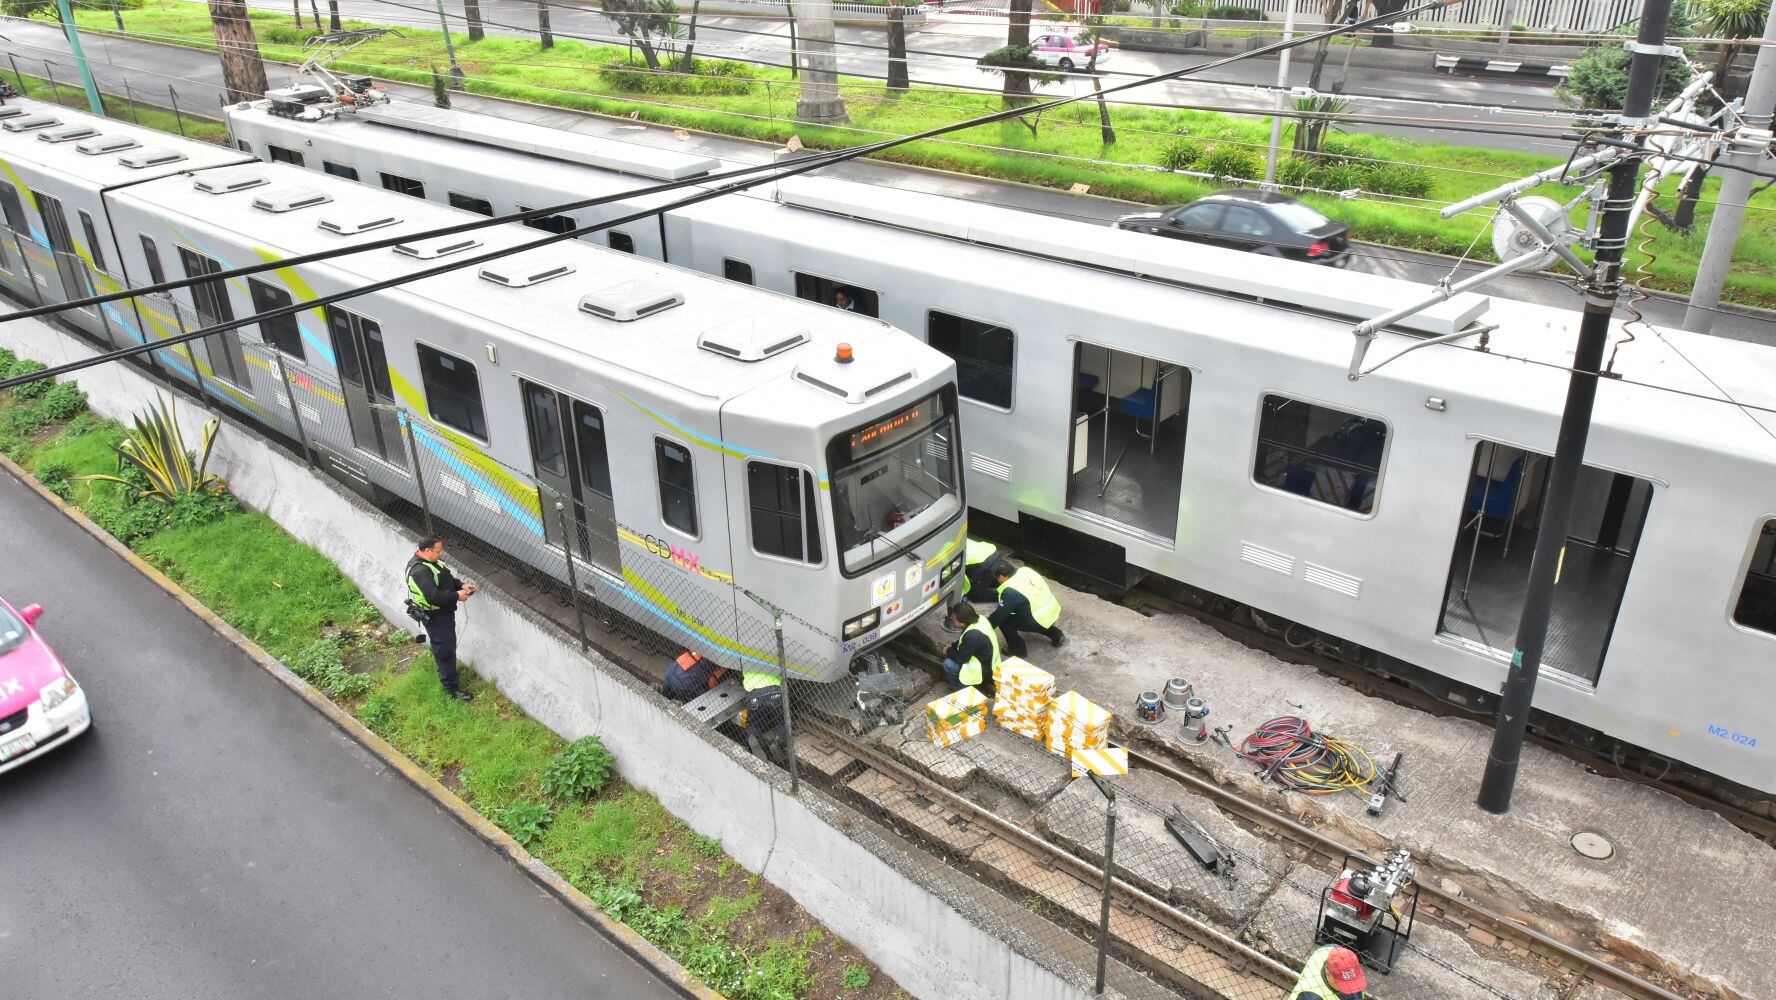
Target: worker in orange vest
691,675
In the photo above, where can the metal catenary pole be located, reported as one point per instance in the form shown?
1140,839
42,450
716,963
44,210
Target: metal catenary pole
1276,116
1502,761
1729,206
795,783
425,505
1109,793
573,583
86,77
456,72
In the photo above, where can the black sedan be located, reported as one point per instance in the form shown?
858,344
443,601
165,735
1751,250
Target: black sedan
1259,221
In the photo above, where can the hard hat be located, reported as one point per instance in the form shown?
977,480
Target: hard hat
1344,973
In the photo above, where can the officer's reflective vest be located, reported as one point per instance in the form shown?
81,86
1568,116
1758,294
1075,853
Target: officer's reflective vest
971,672
1044,607
973,554
413,586
1313,977
752,680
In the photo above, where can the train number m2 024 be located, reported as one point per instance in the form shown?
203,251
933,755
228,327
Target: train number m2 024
1732,737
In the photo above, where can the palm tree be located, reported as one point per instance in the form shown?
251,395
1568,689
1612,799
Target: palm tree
1735,21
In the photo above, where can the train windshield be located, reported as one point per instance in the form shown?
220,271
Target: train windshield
895,482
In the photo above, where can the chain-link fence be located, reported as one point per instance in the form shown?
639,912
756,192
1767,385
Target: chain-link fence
151,105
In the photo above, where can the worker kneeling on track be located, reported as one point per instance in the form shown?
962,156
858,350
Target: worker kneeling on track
1331,973
691,675
978,560
1026,604
972,658
766,735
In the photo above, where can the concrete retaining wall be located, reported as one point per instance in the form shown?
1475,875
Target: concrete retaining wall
921,922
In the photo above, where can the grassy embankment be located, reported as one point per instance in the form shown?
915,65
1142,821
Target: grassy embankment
756,102
614,841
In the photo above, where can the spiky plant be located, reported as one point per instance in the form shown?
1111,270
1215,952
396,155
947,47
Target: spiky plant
156,448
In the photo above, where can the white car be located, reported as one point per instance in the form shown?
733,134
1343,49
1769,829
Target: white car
41,705
1067,52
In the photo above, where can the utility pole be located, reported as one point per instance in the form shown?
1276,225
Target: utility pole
1649,50
86,77
456,73
1276,118
1747,151
1508,15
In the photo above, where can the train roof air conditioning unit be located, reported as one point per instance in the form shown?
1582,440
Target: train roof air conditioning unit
30,124
518,272
107,144
11,111
437,246
229,181
354,219
153,156
752,338
290,199
67,134
627,301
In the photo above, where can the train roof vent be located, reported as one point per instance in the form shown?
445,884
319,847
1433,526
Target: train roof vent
626,301
438,246
11,111
848,382
153,156
521,273
290,199
67,134
29,124
230,181
752,338
107,144
355,219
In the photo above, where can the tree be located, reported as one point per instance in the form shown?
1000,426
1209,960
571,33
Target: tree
1598,80
544,35
1019,62
333,16
688,64
644,21
897,57
819,100
1105,131
471,14
440,93
243,71
1735,21
1017,37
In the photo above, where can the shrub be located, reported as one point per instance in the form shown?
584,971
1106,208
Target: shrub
1180,154
856,977
579,771
1234,12
57,478
1231,161
30,390
320,663
61,403
1399,178
619,902
377,712
1339,175
1295,170
155,448
524,820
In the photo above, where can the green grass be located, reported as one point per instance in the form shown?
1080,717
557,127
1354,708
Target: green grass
752,102
619,844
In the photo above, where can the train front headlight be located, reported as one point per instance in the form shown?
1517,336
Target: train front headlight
949,571
862,623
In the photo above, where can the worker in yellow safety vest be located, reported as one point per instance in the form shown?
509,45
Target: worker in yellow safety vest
1331,973
971,659
766,733
978,558
1026,604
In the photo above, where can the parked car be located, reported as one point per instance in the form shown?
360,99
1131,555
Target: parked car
1262,222
1067,52
41,705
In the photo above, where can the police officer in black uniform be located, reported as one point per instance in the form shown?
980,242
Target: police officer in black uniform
433,592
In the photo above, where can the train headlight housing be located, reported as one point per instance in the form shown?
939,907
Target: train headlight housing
862,623
949,571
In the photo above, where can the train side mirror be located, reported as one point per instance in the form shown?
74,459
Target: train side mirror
30,613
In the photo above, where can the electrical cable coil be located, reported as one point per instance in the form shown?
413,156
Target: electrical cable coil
1290,752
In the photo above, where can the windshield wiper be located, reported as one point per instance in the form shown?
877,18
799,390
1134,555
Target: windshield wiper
879,534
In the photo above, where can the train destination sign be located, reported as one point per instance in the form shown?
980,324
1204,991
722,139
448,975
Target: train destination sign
895,427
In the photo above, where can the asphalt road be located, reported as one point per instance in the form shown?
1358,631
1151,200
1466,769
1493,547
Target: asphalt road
214,837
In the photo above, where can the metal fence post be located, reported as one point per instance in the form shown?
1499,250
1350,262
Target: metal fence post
178,116
425,505
130,96
795,785
573,583
295,414
54,88
1109,878
203,391
18,242
20,77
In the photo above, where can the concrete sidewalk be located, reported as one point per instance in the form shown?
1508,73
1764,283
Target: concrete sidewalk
151,67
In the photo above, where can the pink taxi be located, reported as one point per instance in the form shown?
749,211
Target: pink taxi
1067,52
41,706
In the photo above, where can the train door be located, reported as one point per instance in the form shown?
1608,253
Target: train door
61,243
569,452
364,380
1125,459
1489,571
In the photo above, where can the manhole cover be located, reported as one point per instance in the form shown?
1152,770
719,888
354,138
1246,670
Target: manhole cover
1593,846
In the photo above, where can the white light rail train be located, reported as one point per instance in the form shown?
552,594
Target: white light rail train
715,441
1136,405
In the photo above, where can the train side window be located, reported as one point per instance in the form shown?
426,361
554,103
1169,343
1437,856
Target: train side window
620,240
546,448
156,274
470,203
737,270
678,485
92,240
402,185
453,391
281,332
784,522
1757,598
1323,454
827,291
281,155
595,468
556,224
243,145
213,307
340,170
14,210
983,353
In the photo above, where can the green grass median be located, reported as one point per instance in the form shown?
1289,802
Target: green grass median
1063,149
